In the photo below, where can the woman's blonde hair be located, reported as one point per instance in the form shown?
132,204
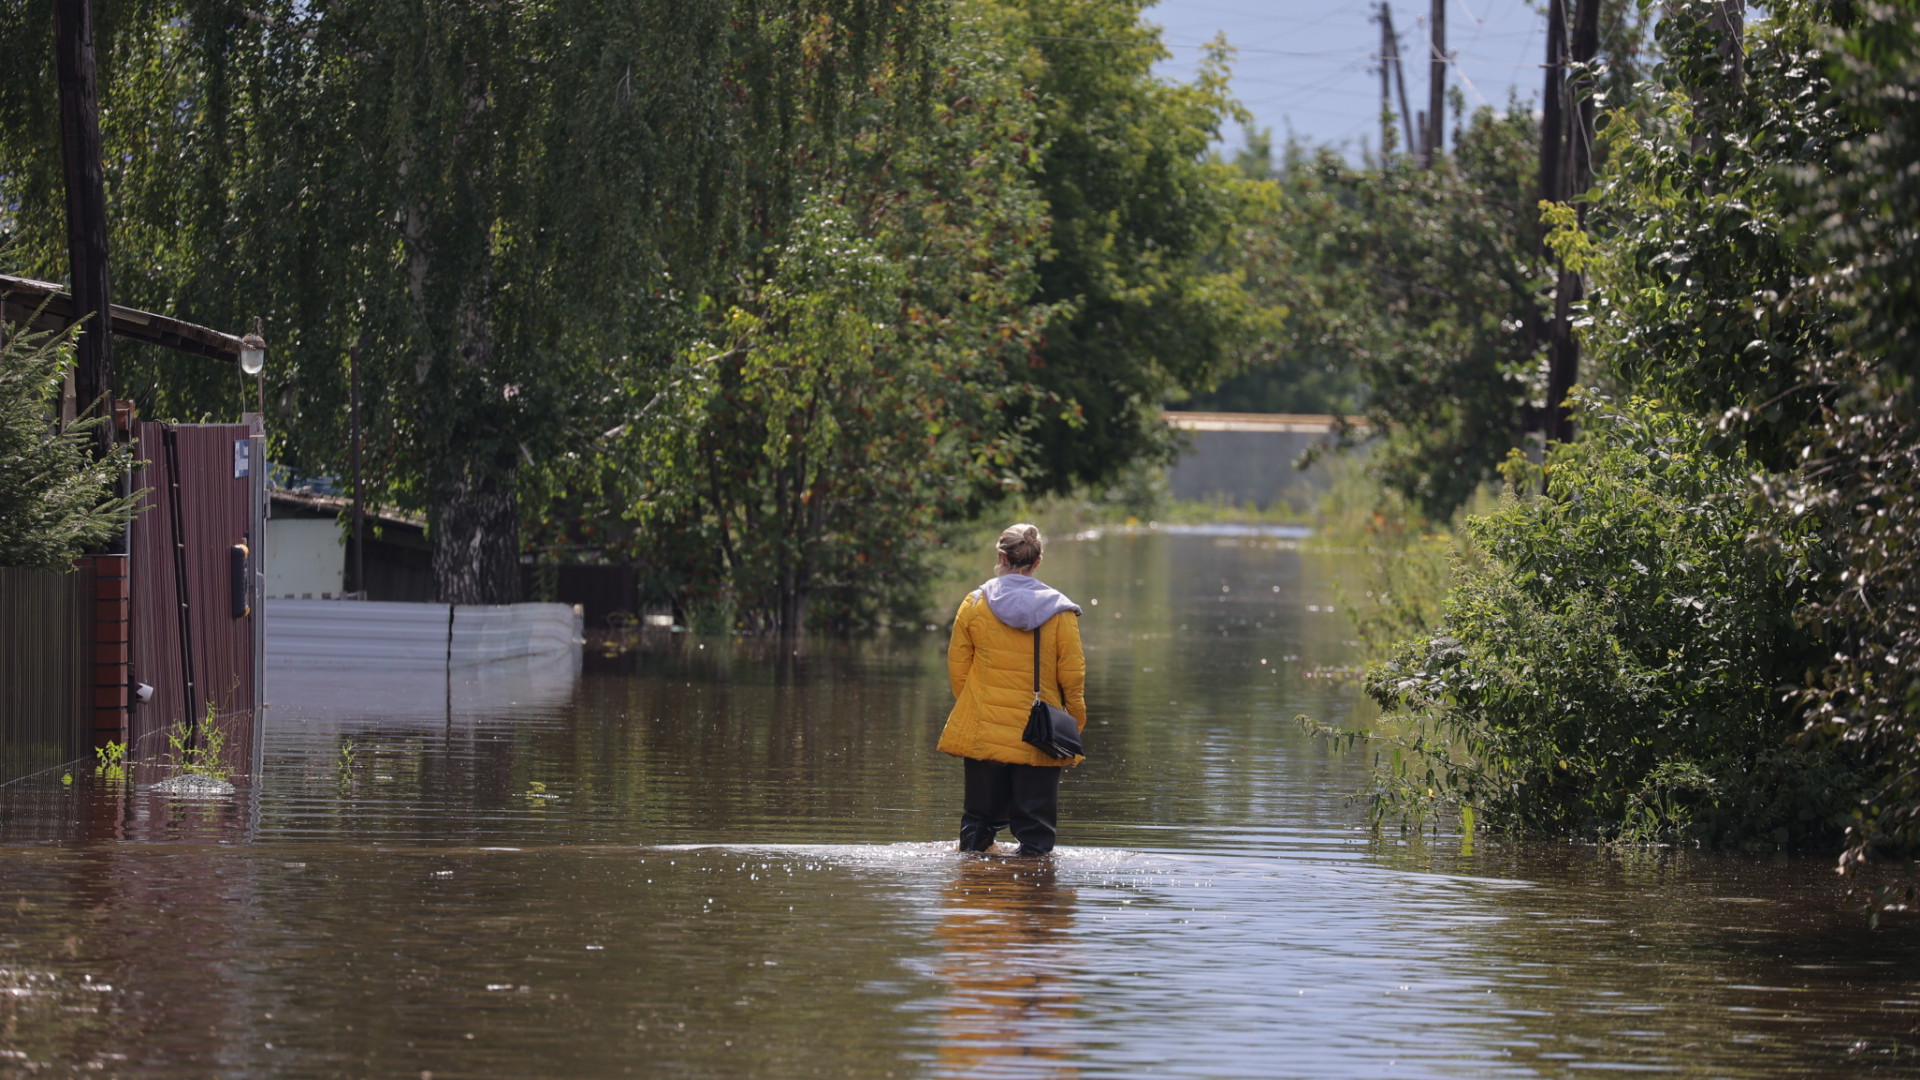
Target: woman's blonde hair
1020,546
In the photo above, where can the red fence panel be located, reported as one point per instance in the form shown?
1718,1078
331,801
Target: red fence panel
195,615
46,671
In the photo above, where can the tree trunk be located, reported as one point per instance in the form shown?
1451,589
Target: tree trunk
471,456
794,590
1729,23
476,533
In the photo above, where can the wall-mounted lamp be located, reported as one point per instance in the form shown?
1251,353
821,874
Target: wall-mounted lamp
253,354
253,360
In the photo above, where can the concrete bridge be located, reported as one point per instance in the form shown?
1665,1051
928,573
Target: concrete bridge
1247,458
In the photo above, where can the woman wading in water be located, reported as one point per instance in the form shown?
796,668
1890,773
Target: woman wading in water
991,665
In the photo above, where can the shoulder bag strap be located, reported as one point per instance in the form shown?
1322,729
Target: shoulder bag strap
1036,661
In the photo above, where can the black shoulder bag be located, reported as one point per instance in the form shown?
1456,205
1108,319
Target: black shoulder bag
1054,731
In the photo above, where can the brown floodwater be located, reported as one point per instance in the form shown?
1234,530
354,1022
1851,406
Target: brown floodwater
731,858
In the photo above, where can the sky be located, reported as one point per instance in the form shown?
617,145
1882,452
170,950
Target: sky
1311,66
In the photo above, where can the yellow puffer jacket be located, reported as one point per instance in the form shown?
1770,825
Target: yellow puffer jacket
990,665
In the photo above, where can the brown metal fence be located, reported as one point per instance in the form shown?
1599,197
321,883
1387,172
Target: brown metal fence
196,616
46,669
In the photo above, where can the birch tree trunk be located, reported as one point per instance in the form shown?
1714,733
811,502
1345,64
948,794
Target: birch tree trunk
475,533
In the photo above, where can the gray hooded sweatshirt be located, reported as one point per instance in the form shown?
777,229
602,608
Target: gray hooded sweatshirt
1023,602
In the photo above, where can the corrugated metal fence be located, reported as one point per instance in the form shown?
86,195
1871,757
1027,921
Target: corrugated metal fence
195,605
46,691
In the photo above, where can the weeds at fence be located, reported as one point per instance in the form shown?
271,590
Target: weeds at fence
199,749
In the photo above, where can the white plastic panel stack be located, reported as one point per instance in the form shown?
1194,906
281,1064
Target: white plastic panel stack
380,634
482,633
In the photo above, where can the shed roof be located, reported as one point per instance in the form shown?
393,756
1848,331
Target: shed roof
302,503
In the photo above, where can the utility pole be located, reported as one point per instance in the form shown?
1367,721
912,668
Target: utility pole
1400,84
1386,77
1390,54
1437,87
1552,119
1566,171
1580,91
86,210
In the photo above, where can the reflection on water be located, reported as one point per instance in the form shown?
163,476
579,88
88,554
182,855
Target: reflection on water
734,859
1007,960
308,695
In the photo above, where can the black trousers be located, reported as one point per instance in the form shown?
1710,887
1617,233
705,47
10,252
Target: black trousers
1025,798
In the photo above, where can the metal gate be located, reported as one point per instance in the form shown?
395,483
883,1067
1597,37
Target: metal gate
197,625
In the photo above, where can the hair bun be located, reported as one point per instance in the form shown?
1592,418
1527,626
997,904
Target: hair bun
1020,545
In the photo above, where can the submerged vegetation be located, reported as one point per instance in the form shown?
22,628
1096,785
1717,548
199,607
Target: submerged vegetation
198,748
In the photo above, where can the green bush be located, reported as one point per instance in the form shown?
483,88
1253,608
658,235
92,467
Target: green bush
56,499
1613,663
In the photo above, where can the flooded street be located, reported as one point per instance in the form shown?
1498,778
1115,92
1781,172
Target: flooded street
722,858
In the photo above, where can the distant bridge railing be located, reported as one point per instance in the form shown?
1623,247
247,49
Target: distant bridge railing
1285,423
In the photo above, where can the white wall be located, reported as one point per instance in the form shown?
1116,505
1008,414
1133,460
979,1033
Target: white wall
305,557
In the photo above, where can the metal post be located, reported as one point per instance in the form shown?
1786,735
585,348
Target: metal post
260,377
359,509
183,608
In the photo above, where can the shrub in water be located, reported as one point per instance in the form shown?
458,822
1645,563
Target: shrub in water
1612,664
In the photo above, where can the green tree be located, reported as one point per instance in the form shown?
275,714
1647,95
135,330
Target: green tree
1426,288
1753,263
504,201
1609,665
1139,249
1697,263
845,407
1282,368
1861,469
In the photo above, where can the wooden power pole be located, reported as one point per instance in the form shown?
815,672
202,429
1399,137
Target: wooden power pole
1390,57
1580,95
1566,170
1386,83
86,209
1437,85
1552,96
